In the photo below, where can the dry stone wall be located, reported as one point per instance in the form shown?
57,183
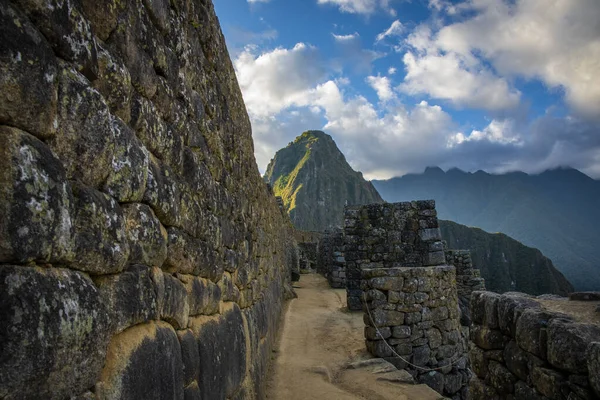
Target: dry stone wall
468,280
388,236
520,349
141,254
331,262
407,292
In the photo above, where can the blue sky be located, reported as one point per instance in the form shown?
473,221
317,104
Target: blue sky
403,84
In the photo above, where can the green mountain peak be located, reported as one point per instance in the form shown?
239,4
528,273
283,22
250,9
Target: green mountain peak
317,204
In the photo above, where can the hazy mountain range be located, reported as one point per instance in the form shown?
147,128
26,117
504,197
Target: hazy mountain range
555,211
315,182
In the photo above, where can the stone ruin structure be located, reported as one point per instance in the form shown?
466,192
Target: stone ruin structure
141,254
397,270
533,348
331,261
468,280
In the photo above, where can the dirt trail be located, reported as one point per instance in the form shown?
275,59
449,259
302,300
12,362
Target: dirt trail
319,339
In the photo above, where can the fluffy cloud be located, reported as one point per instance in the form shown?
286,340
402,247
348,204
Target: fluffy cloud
382,86
454,76
277,79
288,91
366,7
556,41
394,30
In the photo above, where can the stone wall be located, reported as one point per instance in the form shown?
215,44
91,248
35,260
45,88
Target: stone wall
415,311
141,254
468,280
331,262
388,236
408,292
308,256
529,348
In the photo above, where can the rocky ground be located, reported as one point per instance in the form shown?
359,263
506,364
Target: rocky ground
321,350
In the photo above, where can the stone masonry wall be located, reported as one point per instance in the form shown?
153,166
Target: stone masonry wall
408,292
141,254
468,280
521,349
388,236
331,261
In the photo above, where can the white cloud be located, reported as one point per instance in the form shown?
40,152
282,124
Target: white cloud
382,86
450,77
391,71
394,30
556,41
498,131
288,91
345,38
458,77
278,79
365,7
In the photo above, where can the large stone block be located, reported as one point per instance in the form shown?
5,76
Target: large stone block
510,308
485,338
516,360
28,75
501,378
550,383
68,32
85,138
128,174
567,344
188,255
204,296
35,201
143,362
380,318
222,350
101,245
189,356
146,235
434,380
130,296
528,332
114,81
162,193
54,332
172,299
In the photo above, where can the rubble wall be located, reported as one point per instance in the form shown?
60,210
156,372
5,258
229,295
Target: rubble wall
521,349
331,262
141,254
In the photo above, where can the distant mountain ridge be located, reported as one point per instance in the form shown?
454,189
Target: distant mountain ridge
506,264
315,181
556,211
317,204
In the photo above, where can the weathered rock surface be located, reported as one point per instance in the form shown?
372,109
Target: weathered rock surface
131,208
57,318
540,353
143,362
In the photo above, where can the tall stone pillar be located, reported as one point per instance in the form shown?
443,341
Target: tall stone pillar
397,273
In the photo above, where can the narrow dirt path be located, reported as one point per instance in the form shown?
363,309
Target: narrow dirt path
319,339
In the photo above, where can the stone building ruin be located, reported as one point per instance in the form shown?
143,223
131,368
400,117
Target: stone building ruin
408,292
